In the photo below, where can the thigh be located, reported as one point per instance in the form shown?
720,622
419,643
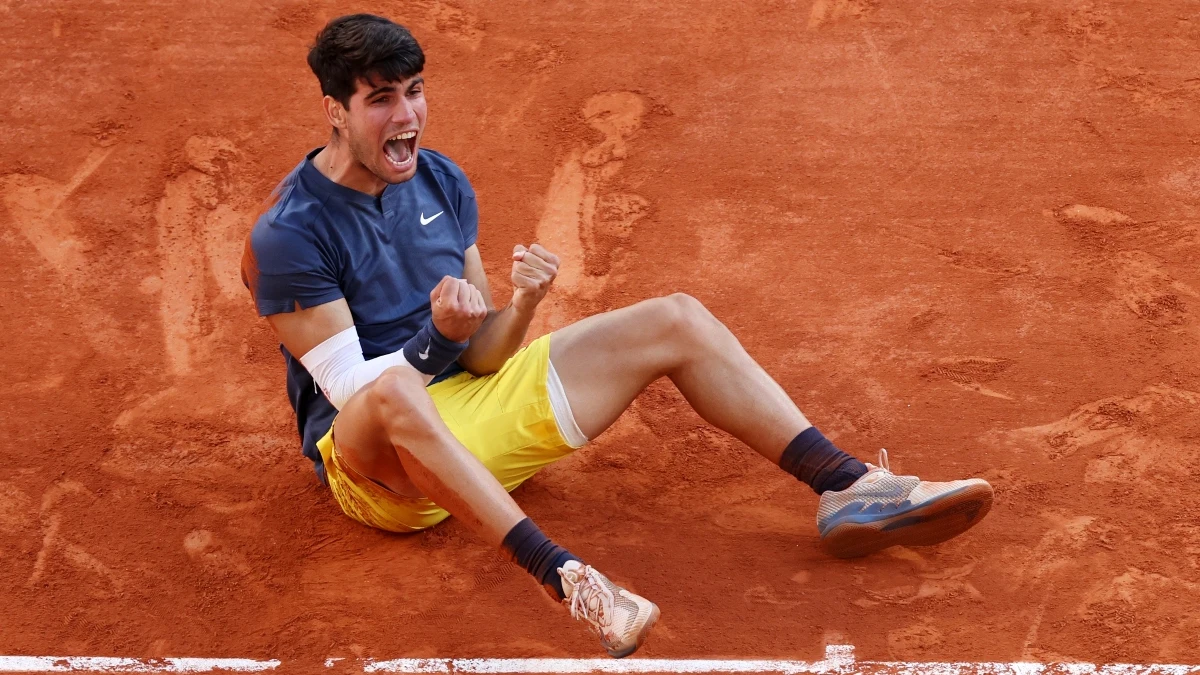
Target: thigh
606,360
363,443
366,476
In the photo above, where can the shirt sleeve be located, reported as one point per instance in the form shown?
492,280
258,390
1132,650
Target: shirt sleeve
285,267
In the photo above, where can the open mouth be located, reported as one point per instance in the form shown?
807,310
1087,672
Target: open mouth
401,149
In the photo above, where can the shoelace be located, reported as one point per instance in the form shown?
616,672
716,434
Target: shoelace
883,462
588,599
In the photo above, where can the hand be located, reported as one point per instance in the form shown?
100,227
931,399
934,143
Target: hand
534,269
458,308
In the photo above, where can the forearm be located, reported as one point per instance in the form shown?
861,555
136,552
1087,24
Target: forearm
496,341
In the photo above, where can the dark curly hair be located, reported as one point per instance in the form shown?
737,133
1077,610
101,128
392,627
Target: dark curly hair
366,47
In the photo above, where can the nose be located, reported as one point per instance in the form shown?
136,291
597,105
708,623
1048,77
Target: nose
403,114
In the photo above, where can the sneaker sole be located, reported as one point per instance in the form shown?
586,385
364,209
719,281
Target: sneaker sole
932,523
641,636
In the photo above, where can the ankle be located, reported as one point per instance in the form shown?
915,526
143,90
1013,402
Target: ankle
527,546
816,461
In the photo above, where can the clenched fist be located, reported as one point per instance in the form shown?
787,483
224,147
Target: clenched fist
533,271
458,308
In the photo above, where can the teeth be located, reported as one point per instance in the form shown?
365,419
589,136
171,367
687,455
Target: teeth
404,136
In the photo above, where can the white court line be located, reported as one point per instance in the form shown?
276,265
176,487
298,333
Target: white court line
836,657
839,660
108,664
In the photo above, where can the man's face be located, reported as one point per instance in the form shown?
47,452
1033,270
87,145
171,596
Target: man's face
384,125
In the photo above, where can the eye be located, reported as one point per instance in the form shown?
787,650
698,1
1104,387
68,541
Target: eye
416,91
381,99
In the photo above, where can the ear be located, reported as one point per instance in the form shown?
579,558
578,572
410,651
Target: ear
335,112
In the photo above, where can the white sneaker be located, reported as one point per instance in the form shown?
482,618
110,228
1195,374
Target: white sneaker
882,509
619,617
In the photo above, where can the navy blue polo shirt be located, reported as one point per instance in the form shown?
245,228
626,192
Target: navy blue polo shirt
321,241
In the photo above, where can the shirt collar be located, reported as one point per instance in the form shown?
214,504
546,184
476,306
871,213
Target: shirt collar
321,184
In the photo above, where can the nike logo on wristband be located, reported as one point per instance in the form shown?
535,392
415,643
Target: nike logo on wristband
425,354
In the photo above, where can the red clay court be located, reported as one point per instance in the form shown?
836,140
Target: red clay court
964,231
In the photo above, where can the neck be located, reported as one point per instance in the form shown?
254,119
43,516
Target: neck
338,164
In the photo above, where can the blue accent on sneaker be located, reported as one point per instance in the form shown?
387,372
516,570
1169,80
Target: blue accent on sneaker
858,512
969,509
883,509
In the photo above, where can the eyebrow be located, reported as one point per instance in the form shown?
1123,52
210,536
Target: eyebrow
381,90
388,88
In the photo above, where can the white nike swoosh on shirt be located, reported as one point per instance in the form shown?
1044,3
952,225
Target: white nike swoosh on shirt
425,354
430,219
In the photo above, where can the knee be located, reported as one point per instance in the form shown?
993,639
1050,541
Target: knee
684,316
398,396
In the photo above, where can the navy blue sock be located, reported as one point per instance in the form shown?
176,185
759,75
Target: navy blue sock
528,547
815,460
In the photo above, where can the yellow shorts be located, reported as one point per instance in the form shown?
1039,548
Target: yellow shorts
505,419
